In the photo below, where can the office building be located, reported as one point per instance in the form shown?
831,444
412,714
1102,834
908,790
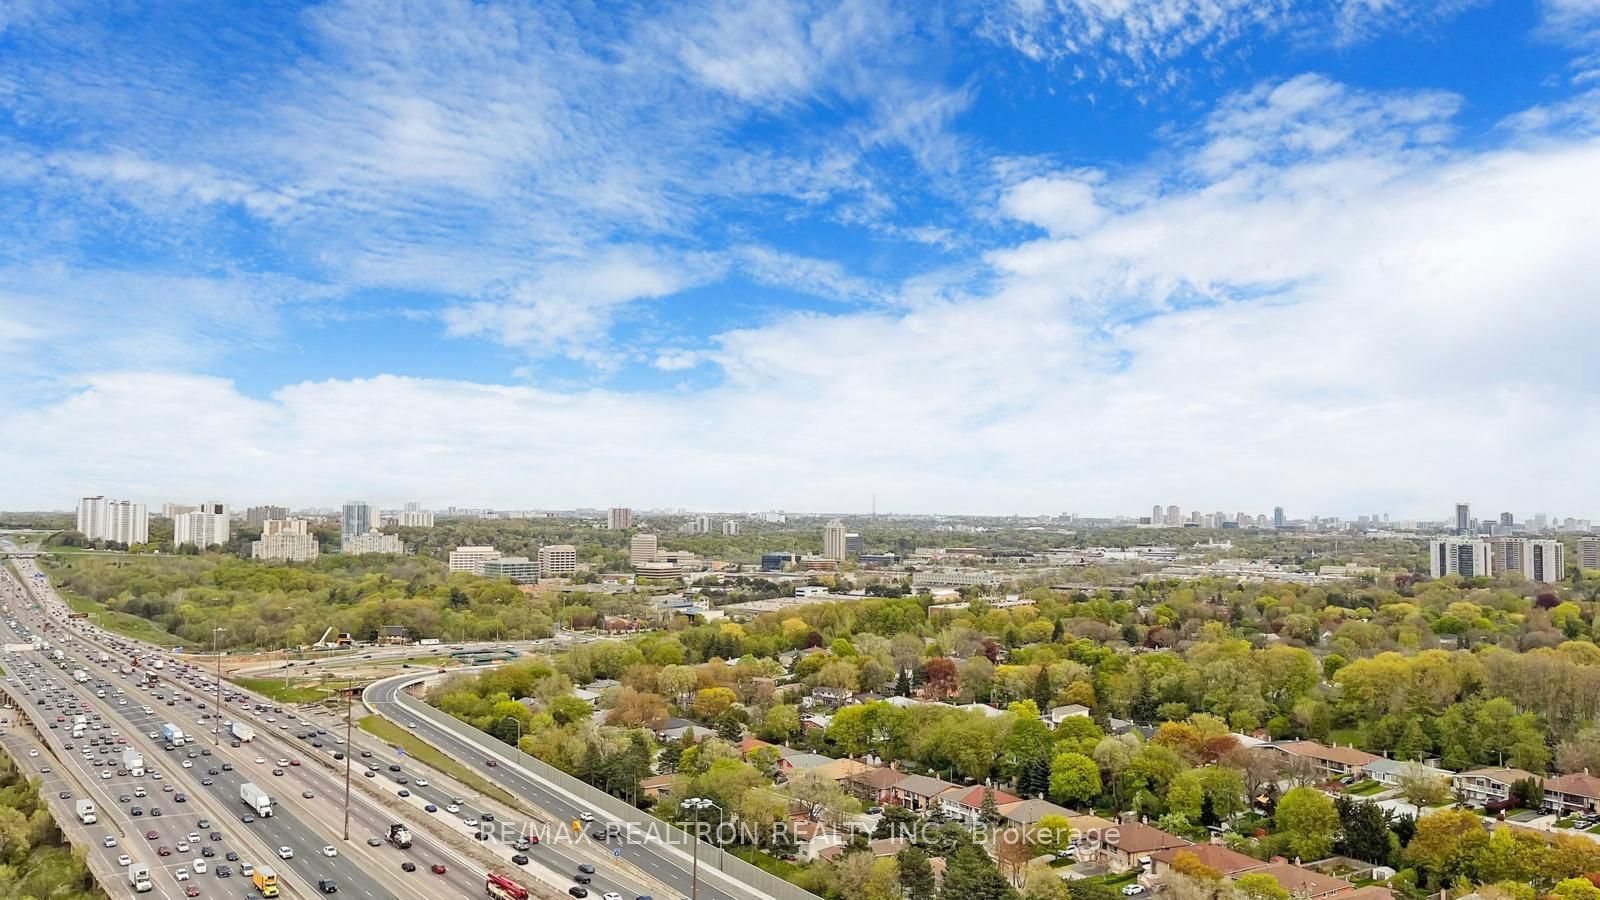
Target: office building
205,527
620,517
358,517
471,559
117,521
256,515
285,539
519,569
1467,558
642,549
1278,520
1463,518
853,544
833,540
730,528
776,562
1589,553
558,560
372,541
1174,517
1507,520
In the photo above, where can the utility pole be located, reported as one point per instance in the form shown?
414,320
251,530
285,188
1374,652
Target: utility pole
349,701
216,648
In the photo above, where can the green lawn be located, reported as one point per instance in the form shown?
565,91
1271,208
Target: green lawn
1365,788
1564,823
1594,830
1350,737
779,867
273,687
429,755
122,623
1114,881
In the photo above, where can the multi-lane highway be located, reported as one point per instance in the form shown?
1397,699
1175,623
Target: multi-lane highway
316,819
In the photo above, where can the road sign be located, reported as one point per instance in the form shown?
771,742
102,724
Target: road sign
617,852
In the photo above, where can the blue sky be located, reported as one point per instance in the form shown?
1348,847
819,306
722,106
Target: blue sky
1029,256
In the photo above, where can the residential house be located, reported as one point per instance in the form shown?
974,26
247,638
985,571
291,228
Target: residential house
1334,762
674,729
984,708
966,803
1216,856
1298,881
873,788
392,634
879,848
658,786
1482,787
840,770
1026,813
1128,845
1575,793
1301,882
830,696
1389,772
1060,714
802,761
586,695
917,792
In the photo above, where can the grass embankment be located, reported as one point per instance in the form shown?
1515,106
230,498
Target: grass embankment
273,688
429,755
122,623
782,868
431,661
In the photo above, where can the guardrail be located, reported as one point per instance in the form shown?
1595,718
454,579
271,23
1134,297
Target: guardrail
750,874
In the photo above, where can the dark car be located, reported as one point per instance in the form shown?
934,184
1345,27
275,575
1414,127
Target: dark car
582,878
578,890
519,859
327,886
586,869
408,866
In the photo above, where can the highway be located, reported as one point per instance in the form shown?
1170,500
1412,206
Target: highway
666,863
550,863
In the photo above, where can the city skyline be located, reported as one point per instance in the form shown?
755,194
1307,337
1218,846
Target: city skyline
1217,250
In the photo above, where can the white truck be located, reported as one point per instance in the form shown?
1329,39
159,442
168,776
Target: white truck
133,761
80,676
85,811
139,878
80,720
104,657
158,663
171,733
57,655
255,798
126,670
242,733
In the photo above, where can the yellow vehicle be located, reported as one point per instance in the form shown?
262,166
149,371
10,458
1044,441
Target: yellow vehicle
266,881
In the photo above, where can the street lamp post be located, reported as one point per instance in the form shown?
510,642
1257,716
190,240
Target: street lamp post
216,648
697,804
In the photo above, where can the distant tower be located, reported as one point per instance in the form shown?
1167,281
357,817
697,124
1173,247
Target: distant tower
1463,518
833,540
620,518
1278,520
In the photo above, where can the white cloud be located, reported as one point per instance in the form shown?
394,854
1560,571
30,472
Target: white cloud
1063,205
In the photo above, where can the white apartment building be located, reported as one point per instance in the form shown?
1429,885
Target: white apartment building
558,560
373,541
471,559
833,540
414,516
204,527
120,521
619,518
285,540
642,549
1535,560
1458,556
730,528
174,510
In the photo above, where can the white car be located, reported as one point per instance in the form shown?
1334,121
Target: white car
105,776
421,782
124,860
1132,890
330,851
586,816
452,808
282,761
611,895
470,822
181,874
286,853
200,866
187,764
108,841
247,869
156,775
33,753
261,759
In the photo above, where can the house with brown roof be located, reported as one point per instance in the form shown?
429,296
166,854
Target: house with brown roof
1127,845
917,791
1578,792
1335,761
1029,812
873,788
966,803
1302,882
658,786
1227,862
879,848
1482,787
842,770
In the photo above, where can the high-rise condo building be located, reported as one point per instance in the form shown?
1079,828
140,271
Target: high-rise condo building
256,515
1589,553
1278,519
620,518
1174,516
1463,518
373,541
285,539
206,526
1467,558
414,516
119,521
730,527
359,517
833,540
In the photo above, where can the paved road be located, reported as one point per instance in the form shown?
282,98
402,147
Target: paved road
671,865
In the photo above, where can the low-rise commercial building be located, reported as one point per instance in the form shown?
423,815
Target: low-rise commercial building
471,559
